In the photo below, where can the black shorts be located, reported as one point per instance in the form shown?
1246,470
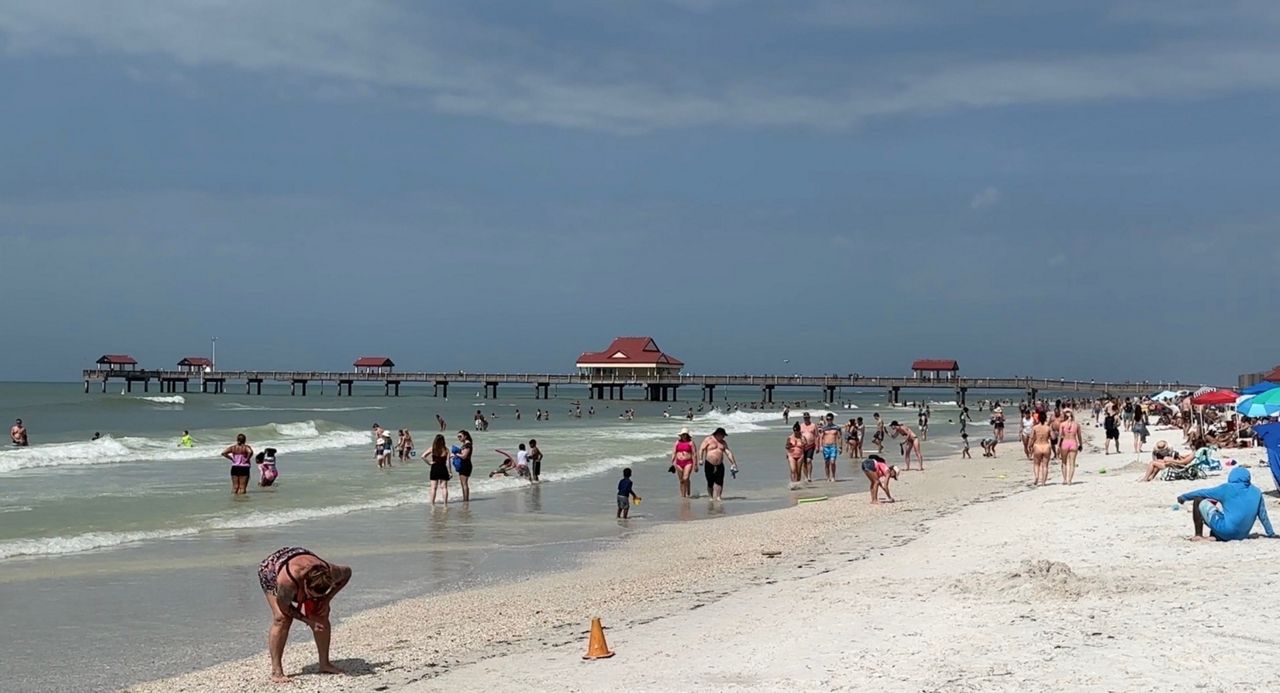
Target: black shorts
1113,433
808,456
465,468
715,474
240,471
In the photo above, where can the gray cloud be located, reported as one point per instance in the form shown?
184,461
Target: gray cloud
456,66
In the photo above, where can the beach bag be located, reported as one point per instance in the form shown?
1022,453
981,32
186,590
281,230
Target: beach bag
457,458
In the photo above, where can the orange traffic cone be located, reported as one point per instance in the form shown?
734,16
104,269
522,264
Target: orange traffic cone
597,648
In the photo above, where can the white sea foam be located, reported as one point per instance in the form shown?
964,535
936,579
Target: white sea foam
737,421
169,399
236,406
52,546
303,436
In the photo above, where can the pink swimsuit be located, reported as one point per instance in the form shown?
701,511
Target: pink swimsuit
1068,431
684,446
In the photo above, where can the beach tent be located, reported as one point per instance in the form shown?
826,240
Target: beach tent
1214,398
1166,396
1269,434
1259,388
1203,391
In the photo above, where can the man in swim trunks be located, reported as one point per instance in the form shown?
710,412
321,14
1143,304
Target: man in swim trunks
830,441
713,452
18,434
809,434
300,585
879,473
878,436
535,460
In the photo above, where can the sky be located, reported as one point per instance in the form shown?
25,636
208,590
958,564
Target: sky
1079,190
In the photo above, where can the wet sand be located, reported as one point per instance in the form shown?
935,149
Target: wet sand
971,582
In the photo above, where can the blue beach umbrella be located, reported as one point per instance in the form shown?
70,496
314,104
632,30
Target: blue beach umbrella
1259,388
1261,405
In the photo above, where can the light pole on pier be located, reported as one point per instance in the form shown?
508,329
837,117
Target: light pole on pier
213,356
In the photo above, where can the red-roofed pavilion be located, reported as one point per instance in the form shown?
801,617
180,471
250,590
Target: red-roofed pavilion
935,369
118,362
195,364
374,364
630,358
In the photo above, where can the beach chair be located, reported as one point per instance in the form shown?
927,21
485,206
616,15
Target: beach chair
1196,470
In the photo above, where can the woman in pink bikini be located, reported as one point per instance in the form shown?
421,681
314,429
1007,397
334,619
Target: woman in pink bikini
1069,445
682,458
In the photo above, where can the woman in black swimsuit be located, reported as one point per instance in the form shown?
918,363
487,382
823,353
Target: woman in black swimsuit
299,584
439,461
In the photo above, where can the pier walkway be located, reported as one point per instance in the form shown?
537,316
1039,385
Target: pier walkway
662,388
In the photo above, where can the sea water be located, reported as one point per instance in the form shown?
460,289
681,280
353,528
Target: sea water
115,548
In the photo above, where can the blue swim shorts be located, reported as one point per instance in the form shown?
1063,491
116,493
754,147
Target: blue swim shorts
830,453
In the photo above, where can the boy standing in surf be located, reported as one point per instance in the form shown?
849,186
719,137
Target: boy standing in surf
626,492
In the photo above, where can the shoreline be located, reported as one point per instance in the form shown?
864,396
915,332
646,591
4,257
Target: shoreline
653,573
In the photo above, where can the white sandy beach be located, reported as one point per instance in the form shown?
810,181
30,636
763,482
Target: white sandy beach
972,582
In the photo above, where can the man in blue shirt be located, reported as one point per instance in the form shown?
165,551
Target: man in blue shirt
1240,504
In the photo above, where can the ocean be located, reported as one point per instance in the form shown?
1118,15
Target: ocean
131,552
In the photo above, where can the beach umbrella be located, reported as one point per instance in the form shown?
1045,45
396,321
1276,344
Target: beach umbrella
1214,398
1259,388
1203,391
1165,396
1265,404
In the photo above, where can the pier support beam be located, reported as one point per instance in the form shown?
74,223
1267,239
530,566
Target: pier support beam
104,386
293,387
709,393
1032,393
829,394
440,389
960,394
766,394
491,389
893,394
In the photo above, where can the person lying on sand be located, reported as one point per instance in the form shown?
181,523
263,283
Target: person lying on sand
1239,505
1164,457
879,473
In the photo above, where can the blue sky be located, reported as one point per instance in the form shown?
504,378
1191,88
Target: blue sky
1075,189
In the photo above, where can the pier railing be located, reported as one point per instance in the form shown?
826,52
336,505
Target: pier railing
486,378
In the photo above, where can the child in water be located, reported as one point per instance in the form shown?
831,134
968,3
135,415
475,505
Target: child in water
267,472
625,493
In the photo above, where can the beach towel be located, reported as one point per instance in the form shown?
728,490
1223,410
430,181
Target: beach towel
1269,434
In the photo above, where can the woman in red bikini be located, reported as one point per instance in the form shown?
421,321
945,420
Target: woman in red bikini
682,458
299,584
1069,445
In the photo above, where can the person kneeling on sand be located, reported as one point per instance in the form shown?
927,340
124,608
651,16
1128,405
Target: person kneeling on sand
1239,505
1164,457
988,447
299,585
879,473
